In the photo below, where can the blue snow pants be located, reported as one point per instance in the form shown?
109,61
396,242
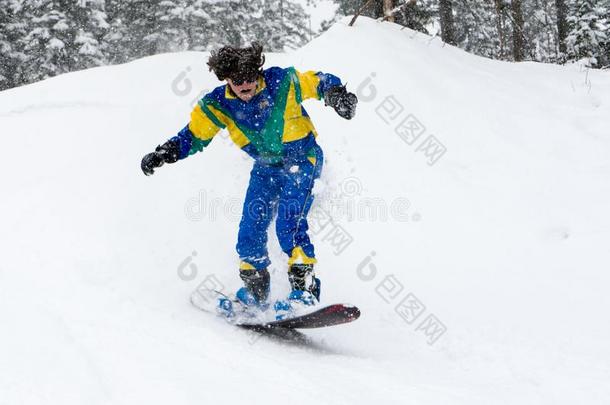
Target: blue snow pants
283,189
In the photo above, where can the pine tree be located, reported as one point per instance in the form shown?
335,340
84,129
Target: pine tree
171,29
476,28
350,7
277,24
64,35
13,58
202,24
133,29
47,45
50,37
89,21
114,47
588,35
418,16
283,25
605,58
237,20
9,58
6,47
540,30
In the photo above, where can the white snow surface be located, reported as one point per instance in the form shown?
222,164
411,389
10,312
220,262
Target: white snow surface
504,239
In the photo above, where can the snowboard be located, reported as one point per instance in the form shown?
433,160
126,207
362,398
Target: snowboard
319,317
330,315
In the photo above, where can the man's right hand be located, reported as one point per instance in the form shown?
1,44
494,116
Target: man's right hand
166,153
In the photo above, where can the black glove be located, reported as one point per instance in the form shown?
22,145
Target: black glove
342,101
166,153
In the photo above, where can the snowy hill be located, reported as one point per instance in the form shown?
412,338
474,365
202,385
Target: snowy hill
474,237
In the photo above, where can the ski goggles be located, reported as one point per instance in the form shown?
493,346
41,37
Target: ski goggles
246,77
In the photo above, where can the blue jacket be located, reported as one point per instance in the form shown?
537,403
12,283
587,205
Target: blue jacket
271,126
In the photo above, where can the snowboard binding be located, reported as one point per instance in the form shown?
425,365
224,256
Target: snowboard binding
305,291
256,286
251,298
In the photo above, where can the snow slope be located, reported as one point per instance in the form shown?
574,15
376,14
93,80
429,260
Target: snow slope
503,239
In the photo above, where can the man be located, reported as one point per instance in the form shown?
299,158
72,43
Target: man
263,113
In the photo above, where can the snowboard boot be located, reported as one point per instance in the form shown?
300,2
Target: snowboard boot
252,297
305,291
256,287
302,278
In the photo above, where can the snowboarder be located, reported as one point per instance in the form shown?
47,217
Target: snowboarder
261,108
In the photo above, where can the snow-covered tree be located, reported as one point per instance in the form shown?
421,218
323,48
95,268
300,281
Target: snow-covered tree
176,25
476,23
43,38
63,35
418,15
277,24
540,30
10,32
6,47
90,22
172,24
47,45
132,28
202,27
589,33
238,22
283,25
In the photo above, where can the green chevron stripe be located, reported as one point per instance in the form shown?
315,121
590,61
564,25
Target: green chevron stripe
197,145
203,104
297,85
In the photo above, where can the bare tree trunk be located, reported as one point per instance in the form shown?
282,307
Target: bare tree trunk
518,42
500,25
562,24
387,10
360,10
446,14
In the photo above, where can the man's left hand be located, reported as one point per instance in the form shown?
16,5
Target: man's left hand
342,101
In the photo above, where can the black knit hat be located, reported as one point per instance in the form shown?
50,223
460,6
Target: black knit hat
237,63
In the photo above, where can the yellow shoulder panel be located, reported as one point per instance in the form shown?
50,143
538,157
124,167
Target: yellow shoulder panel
235,133
296,126
201,126
309,84
293,108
